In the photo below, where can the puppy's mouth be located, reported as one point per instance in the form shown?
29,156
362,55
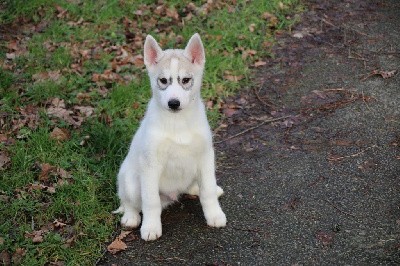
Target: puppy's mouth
174,110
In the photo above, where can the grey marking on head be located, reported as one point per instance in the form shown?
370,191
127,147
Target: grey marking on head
163,82
186,82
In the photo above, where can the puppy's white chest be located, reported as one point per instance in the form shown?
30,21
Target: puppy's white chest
183,138
181,154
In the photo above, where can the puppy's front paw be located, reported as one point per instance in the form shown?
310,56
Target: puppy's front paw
130,220
217,219
151,231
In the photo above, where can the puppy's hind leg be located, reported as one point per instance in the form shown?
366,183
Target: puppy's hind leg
129,194
195,190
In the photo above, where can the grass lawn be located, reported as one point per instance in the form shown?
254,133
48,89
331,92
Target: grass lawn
73,89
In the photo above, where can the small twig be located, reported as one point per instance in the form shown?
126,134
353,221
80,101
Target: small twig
343,26
332,158
340,210
383,74
368,76
252,128
316,181
169,259
364,101
261,100
360,57
329,23
380,49
253,230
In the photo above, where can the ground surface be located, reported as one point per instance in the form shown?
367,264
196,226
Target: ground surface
320,186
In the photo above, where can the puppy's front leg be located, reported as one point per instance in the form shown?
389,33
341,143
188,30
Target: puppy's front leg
208,192
151,204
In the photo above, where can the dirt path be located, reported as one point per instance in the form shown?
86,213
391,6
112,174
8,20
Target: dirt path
321,186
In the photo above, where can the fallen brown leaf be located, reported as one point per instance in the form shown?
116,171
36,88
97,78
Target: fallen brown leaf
298,35
230,77
58,224
10,56
118,245
260,63
50,190
246,53
61,12
272,19
209,104
70,241
36,236
63,173
60,134
85,110
102,91
35,186
75,23
46,169
5,258
28,116
6,139
58,109
18,255
107,75
388,74
137,60
252,27
3,138
12,45
382,73
228,112
51,75
4,160
233,78
172,13
124,234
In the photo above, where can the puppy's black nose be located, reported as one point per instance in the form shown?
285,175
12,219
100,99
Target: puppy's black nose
174,104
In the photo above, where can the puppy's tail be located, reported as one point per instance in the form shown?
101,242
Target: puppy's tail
119,210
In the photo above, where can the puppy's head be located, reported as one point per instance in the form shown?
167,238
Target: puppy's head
175,75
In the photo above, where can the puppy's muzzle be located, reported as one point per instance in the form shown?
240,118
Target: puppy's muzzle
174,104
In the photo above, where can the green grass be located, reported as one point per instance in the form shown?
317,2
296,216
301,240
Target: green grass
83,200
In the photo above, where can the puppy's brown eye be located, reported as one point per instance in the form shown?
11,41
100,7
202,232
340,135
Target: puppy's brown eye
185,80
163,81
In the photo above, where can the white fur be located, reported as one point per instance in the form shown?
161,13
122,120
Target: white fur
171,152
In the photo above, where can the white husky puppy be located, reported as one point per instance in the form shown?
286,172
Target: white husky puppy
171,152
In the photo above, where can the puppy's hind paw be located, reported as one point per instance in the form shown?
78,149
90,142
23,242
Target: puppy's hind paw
217,220
220,191
130,220
119,210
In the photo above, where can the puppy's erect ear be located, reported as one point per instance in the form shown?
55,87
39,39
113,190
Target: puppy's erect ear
194,50
152,51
